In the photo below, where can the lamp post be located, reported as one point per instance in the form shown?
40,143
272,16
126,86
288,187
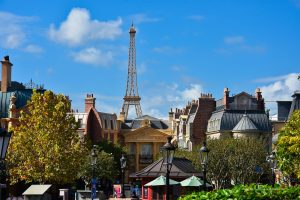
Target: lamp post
271,160
204,159
168,151
123,166
4,142
94,180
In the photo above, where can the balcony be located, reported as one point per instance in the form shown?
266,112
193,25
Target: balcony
145,159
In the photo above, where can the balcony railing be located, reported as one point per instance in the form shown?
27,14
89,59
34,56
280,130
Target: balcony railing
146,159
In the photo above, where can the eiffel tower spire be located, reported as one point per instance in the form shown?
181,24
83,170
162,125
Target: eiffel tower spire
132,97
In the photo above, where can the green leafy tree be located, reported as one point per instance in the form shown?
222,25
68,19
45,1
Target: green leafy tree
115,149
240,160
104,167
45,147
288,146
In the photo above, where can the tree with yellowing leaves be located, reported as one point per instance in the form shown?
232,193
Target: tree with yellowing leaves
288,146
45,147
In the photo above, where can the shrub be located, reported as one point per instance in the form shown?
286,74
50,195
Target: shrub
248,192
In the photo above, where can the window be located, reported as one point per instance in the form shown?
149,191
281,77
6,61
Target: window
80,122
105,124
146,150
111,125
132,148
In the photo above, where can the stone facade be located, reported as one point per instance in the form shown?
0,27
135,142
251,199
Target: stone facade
241,115
190,123
143,137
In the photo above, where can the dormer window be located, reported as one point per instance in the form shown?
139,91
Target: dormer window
105,124
111,125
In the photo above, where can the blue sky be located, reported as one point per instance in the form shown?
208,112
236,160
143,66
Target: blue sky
183,48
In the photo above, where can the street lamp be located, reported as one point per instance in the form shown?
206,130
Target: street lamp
204,159
271,160
123,166
168,151
94,180
4,142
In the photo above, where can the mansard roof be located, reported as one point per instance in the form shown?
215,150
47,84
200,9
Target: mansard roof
228,119
245,125
138,123
22,97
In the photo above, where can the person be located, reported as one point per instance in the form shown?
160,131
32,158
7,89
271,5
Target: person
134,195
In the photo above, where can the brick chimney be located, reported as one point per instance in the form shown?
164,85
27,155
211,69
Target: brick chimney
122,115
260,100
89,102
226,98
171,115
6,74
206,105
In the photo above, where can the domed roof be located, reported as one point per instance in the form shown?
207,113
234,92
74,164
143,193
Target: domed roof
245,125
22,96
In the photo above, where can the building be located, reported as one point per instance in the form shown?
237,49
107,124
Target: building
239,116
13,95
189,124
284,111
143,137
97,126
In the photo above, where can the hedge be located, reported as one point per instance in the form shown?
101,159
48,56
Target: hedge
248,192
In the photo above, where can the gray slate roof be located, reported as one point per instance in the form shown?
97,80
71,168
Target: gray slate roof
181,168
137,123
245,125
230,118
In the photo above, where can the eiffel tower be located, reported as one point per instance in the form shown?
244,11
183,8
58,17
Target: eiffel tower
132,97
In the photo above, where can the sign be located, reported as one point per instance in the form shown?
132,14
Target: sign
94,188
117,190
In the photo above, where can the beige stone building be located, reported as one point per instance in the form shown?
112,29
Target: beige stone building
143,137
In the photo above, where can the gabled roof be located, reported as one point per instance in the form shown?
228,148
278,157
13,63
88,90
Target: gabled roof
181,168
245,125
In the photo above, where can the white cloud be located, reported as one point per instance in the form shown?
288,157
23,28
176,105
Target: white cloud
234,40
79,28
271,79
12,32
196,17
93,56
143,18
193,92
31,48
280,90
159,102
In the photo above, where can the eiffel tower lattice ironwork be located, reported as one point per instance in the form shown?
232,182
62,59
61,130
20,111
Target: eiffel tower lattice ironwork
132,97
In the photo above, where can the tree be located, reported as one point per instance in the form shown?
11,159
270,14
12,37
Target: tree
237,160
45,147
107,165
103,168
288,146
